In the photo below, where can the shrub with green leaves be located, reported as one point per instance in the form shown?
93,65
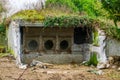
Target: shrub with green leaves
2,27
61,4
67,21
113,7
91,8
93,60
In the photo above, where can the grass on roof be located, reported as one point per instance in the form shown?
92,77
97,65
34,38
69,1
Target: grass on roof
39,15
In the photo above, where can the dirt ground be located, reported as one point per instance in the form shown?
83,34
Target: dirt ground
9,71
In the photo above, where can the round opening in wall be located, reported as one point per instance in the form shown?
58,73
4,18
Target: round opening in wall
32,45
48,44
64,45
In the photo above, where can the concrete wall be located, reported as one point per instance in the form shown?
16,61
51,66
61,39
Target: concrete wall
41,35
100,49
14,41
75,54
53,58
112,47
107,47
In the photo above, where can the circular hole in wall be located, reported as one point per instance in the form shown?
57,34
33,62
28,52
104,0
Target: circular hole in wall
48,44
64,44
33,45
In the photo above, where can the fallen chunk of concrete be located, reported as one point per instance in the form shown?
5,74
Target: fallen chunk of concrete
98,72
102,65
40,64
23,66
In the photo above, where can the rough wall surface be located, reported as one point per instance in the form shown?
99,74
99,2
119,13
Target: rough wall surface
73,54
113,47
100,49
14,40
53,58
77,54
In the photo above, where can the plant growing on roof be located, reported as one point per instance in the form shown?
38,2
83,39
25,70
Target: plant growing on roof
67,21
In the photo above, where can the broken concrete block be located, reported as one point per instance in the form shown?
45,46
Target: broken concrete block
22,66
98,72
103,65
40,64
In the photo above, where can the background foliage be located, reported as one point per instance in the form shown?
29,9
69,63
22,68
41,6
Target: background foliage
91,8
1,8
113,7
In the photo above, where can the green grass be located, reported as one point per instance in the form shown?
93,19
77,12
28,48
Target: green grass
3,54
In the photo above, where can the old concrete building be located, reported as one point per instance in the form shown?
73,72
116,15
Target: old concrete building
30,41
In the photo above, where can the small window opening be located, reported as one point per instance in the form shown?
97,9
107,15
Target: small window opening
48,44
64,45
32,45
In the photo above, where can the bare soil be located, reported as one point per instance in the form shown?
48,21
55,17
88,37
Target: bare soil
9,71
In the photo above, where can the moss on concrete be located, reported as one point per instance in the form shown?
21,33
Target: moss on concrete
39,15
95,38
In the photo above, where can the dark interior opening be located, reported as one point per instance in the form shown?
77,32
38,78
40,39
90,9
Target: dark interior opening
33,45
21,32
82,35
48,44
64,45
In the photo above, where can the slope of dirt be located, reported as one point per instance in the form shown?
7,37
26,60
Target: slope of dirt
9,71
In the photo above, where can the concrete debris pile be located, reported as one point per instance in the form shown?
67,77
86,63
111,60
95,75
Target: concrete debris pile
113,62
40,64
97,72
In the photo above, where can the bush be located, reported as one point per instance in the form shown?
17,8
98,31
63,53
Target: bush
93,60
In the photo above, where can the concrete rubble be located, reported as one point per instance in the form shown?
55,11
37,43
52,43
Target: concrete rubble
23,66
113,62
40,64
102,65
97,72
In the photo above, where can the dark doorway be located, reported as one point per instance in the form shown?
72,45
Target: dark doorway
82,35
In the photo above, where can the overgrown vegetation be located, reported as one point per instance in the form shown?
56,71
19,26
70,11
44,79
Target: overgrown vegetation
55,18
93,60
64,5
113,32
3,54
39,15
92,8
113,7
50,18
95,38
1,8
2,28
2,38
68,21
